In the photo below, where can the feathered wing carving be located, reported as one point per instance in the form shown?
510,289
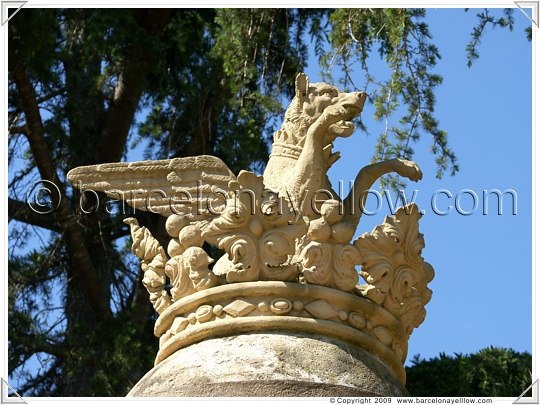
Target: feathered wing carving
196,187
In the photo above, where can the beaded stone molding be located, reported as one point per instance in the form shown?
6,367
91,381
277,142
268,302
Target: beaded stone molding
288,261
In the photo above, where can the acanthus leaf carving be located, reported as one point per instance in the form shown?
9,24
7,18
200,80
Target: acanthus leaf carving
394,269
257,231
346,257
153,260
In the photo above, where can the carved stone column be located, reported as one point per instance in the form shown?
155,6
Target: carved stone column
277,339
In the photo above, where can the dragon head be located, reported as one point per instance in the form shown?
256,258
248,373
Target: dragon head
310,101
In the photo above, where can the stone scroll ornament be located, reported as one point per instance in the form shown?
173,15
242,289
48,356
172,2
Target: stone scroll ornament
287,259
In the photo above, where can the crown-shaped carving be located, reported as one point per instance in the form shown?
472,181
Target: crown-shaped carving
279,273
285,149
287,259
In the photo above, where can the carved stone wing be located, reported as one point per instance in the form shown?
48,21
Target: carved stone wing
193,186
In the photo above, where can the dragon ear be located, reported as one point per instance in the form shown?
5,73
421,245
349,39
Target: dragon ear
301,85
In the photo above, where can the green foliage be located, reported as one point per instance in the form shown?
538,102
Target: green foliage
123,348
229,75
485,18
401,38
491,372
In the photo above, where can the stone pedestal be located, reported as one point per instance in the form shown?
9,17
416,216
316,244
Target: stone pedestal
278,364
274,338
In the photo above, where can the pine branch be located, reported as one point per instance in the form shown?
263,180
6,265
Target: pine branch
139,302
76,245
478,31
21,211
50,95
14,129
33,346
35,382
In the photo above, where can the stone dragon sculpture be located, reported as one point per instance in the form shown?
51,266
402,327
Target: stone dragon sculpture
302,149
266,225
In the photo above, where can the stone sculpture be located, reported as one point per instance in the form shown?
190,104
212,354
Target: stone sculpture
288,263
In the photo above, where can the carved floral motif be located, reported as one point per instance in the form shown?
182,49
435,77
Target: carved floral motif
153,261
392,264
324,253
257,231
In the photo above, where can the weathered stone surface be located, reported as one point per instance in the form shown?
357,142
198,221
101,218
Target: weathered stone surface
270,364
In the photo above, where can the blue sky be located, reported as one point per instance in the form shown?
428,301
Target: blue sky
482,291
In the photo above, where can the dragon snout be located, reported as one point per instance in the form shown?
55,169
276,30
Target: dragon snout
354,102
361,98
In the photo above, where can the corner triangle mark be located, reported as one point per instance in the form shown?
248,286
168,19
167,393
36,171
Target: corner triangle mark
10,4
5,387
529,4
534,399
